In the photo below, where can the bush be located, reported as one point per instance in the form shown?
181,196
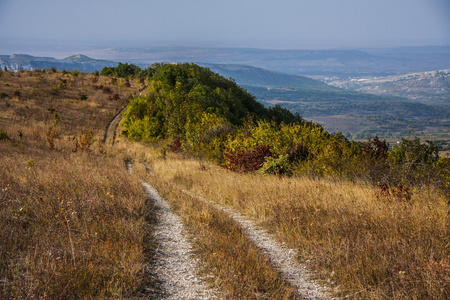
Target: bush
75,73
298,153
106,90
3,135
247,160
82,96
175,146
17,94
277,166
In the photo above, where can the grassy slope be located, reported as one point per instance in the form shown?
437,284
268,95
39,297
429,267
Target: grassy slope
72,224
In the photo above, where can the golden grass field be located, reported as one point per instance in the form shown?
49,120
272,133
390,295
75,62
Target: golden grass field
75,223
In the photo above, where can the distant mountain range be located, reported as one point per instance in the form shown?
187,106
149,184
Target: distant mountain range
252,76
337,63
242,74
16,62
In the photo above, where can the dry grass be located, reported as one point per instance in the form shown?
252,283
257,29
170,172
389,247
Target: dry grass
372,245
43,94
73,225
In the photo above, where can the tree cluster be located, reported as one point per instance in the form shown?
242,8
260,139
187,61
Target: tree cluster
208,115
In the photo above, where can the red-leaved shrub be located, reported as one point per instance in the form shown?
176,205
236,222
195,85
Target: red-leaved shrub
247,160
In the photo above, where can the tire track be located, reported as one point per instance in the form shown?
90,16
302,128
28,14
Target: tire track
174,265
283,258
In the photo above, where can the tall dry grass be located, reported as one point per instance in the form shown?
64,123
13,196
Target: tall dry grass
371,245
72,225
43,94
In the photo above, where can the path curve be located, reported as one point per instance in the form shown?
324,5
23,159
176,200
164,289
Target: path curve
113,121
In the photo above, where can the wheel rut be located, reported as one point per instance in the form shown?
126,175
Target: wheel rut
282,258
175,265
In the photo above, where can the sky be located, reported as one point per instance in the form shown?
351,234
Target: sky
272,24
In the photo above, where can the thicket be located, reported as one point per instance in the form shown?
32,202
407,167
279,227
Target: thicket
126,70
211,116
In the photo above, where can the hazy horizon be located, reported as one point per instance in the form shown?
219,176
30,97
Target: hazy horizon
281,24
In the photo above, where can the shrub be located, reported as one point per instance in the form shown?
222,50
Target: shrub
3,135
75,73
17,94
247,160
115,96
3,95
298,153
82,96
106,90
84,141
52,132
277,166
175,146
53,70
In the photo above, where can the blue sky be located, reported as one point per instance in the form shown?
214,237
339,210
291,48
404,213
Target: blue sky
235,23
